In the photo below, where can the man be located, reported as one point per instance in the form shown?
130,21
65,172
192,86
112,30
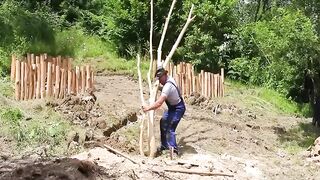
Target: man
176,109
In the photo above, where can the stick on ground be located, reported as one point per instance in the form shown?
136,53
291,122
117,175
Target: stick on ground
198,172
120,153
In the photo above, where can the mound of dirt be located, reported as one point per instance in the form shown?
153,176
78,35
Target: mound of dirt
79,109
68,169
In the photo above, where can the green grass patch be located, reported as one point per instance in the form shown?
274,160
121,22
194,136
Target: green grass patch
38,128
6,87
267,98
299,138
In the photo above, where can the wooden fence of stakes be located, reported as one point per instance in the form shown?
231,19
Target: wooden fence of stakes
37,77
207,84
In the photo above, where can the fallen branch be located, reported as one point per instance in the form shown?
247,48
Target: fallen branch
120,153
198,172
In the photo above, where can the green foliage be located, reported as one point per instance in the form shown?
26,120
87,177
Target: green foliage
275,53
6,87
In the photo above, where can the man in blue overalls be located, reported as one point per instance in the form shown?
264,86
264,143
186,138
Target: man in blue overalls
176,109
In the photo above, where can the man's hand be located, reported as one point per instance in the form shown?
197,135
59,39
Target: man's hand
145,108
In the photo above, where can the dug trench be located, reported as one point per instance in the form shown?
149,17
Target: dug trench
238,135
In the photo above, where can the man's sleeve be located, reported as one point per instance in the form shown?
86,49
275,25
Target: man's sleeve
165,90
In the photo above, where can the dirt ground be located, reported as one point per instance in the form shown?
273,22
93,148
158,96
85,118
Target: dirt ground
225,136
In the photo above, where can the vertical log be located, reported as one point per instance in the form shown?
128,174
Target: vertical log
34,76
43,76
222,82
30,76
22,80
215,86
57,83
218,77
13,68
34,69
49,80
88,78
38,84
212,85
78,82
83,79
202,83
174,71
73,89
69,75
206,84
92,81
26,80
54,64
62,83
17,80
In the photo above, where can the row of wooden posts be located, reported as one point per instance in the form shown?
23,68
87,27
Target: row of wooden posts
204,83
40,76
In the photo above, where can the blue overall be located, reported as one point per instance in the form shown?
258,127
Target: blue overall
169,123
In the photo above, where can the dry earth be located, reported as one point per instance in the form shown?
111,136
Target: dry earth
225,135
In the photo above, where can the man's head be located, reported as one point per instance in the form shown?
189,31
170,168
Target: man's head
161,74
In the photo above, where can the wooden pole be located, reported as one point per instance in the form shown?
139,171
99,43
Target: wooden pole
26,80
69,75
88,74
215,86
73,90
92,81
30,77
62,84
219,88
17,79
212,85
222,82
22,80
34,76
83,79
202,83
78,82
57,83
42,76
38,84
13,68
54,64
49,80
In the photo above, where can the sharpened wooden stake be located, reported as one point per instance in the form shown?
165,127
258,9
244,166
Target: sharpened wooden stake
49,80
18,79
38,84
57,84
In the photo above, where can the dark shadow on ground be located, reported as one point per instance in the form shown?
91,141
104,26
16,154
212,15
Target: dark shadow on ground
304,134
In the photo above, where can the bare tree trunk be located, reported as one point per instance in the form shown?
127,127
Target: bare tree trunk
164,32
153,89
153,93
142,117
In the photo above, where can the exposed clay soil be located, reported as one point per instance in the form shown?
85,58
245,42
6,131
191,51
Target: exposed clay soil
219,136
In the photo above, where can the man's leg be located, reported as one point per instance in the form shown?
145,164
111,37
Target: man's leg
172,129
164,128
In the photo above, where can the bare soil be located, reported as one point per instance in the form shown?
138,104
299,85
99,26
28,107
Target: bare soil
224,135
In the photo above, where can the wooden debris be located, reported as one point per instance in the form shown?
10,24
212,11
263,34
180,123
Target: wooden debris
198,172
